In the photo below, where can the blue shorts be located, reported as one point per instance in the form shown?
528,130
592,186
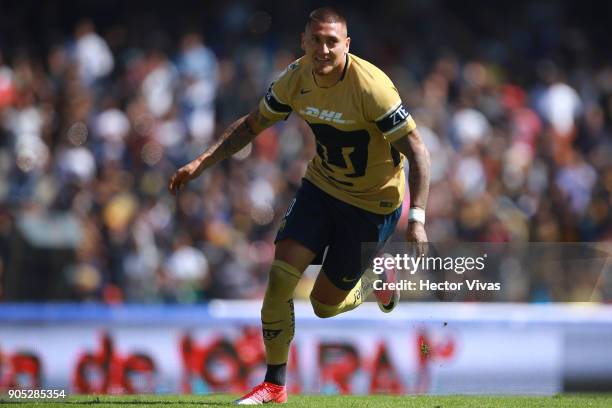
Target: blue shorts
317,220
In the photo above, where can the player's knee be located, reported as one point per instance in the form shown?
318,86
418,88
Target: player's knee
281,284
322,310
294,253
321,313
282,280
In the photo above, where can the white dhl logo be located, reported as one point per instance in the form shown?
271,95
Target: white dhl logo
325,114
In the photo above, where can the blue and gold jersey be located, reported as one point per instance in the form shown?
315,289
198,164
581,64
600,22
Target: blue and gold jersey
354,123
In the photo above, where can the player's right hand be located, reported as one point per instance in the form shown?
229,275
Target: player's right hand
183,176
416,233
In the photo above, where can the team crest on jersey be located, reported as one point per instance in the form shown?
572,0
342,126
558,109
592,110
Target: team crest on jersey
325,114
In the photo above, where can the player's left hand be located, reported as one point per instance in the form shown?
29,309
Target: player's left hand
416,233
183,176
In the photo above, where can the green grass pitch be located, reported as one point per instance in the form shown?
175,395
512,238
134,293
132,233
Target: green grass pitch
201,401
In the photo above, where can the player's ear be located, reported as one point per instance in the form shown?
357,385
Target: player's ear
348,43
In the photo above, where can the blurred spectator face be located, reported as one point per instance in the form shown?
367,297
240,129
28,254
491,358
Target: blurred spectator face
325,44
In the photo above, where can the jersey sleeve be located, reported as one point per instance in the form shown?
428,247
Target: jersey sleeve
275,105
384,107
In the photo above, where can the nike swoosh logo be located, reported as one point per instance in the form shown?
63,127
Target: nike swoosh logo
345,279
277,321
302,91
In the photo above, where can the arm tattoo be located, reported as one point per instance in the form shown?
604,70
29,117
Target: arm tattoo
418,178
235,137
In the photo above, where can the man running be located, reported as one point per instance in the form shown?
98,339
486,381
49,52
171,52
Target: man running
352,191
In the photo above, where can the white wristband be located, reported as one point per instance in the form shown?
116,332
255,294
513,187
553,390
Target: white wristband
416,214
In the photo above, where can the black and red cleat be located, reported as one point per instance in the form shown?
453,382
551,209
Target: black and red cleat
386,298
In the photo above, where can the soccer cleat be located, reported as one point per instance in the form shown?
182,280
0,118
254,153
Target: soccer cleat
386,298
264,393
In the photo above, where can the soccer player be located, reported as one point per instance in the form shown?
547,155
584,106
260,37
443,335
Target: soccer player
352,191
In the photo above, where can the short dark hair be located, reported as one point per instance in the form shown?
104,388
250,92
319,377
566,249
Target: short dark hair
326,15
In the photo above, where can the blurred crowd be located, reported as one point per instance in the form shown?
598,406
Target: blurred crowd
518,122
